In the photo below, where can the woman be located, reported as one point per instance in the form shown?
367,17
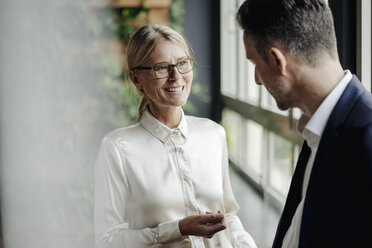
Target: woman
163,181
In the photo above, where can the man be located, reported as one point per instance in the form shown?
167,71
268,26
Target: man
293,46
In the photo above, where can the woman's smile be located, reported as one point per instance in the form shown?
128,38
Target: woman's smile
174,89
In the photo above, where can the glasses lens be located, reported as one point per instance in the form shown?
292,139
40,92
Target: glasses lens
184,66
161,71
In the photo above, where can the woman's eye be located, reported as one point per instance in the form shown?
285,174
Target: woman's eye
182,63
161,68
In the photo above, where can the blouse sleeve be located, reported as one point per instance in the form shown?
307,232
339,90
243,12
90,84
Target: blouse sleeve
239,237
111,188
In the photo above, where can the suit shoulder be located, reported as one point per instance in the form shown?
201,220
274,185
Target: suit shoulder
363,108
366,99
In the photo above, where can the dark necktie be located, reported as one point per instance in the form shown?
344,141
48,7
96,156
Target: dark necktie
294,196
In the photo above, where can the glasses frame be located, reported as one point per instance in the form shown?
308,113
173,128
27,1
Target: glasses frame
170,68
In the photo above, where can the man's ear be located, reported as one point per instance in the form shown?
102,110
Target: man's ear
278,59
134,79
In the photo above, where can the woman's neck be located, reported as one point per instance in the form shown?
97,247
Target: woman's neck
169,116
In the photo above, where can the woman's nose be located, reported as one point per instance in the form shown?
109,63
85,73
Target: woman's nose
173,72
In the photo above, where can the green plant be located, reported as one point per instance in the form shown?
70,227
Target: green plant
177,14
128,20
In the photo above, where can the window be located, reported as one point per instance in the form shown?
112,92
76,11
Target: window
262,140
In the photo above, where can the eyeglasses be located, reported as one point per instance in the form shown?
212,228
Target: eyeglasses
164,70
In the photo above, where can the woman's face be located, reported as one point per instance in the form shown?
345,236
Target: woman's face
172,91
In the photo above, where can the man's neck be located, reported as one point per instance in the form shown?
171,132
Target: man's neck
314,84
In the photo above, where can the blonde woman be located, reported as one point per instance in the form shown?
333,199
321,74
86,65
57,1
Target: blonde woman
163,181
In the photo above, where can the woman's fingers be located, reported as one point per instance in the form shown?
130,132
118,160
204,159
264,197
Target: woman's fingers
211,218
204,225
212,229
214,223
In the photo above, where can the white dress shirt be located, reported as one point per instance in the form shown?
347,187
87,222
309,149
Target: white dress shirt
311,130
149,176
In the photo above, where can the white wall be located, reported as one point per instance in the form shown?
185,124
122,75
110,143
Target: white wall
51,122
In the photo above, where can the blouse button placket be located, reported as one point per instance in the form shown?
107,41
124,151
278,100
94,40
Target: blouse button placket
185,173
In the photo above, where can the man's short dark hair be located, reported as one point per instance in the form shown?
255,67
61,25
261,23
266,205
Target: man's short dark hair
303,27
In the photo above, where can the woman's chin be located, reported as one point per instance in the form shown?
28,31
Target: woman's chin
178,103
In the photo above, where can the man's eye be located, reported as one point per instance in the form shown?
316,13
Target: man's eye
161,68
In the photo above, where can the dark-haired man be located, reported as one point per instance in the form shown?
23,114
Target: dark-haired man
293,46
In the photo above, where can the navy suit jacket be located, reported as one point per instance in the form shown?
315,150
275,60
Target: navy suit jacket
338,204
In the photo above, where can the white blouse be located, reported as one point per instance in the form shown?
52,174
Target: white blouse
149,176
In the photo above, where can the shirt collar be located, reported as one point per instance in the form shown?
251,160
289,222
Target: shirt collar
312,128
158,129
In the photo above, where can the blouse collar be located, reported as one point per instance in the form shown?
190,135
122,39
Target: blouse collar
158,129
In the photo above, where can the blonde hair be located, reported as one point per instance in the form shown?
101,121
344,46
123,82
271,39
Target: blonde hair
143,42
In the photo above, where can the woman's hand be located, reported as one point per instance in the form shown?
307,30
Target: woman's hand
203,225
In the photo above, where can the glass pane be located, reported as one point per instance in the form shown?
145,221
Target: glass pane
296,153
254,139
241,68
252,88
232,123
279,163
365,51
247,89
228,49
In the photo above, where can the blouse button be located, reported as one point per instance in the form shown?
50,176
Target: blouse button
187,179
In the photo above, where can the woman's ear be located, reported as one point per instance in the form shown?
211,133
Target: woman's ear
278,59
134,79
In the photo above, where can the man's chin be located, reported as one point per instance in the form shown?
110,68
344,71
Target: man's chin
282,107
